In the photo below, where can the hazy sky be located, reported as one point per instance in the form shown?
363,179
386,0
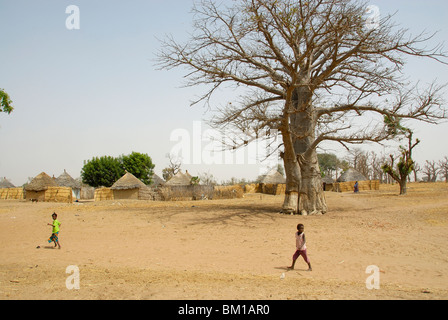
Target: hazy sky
96,91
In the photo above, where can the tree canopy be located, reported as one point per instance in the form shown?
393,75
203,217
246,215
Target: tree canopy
106,170
315,70
5,102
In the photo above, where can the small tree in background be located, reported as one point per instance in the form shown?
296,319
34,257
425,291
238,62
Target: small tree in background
328,164
405,164
140,165
102,171
5,102
105,171
431,171
173,167
443,167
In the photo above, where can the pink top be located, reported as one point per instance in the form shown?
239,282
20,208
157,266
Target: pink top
300,242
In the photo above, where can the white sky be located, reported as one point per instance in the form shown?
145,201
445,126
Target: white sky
95,91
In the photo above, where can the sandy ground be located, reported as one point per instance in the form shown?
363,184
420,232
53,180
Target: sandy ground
229,249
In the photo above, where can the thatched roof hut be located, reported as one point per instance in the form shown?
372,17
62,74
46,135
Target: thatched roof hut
65,180
327,180
127,182
157,181
180,179
129,187
273,177
5,183
327,183
352,175
41,183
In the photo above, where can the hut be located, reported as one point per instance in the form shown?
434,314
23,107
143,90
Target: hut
157,181
351,175
273,177
65,180
35,190
8,191
347,180
129,187
272,183
180,179
87,192
328,183
45,188
5,183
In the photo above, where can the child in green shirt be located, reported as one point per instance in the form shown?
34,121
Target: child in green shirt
55,232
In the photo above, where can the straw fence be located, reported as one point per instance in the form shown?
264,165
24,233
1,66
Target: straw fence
59,194
185,193
102,194
274,189
350,185
228,192
11,194
51,194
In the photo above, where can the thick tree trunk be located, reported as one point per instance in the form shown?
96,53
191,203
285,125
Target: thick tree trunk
311,197
403,186
293,176
303,123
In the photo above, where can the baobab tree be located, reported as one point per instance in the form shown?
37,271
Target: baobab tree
315,71
401,170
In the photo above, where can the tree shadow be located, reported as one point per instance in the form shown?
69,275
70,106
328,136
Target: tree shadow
235,215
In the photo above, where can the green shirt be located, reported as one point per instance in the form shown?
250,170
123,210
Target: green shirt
56,225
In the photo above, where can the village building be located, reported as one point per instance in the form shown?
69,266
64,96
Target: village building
65,180
131,188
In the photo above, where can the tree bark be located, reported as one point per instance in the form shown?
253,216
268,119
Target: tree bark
303,122
312,199
403,186
293,174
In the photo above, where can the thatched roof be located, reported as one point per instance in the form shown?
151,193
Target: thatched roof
180,179
65,180
351,175
157,181
41,183
128,181
327,180
4,183
273,177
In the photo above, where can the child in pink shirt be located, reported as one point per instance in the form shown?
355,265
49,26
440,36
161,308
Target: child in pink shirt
300,247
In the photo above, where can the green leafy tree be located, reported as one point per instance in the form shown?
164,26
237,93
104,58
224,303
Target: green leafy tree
328,163
5,102
140,165
102,171
195,181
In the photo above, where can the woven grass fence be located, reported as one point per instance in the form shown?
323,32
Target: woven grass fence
103,194
59,194
11,194
363,186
